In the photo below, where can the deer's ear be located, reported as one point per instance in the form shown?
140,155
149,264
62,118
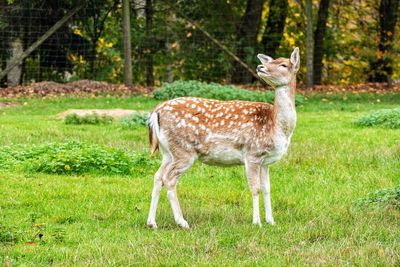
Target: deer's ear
295,59
264,58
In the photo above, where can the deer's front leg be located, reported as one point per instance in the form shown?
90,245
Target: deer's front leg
266,189
253,177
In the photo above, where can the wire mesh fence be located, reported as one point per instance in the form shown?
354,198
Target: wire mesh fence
173,40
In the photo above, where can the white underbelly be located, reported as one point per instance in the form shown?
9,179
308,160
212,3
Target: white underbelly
222,155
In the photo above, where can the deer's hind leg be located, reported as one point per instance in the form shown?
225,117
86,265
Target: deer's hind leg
173,173
155,195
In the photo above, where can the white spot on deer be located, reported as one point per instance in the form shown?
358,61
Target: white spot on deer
245,111
222,122
195,119
227,116
167,108
188,115
193,106
236,116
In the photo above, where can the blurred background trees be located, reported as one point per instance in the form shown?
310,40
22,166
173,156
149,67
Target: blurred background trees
353,41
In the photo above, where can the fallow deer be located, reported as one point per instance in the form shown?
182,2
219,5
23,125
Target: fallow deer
226,133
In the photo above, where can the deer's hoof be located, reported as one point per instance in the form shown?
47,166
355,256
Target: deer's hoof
270,221
258,223
152,225
183,223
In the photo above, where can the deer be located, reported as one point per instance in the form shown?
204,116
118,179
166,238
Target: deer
226,133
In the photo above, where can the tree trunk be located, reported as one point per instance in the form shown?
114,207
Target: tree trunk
275,25
14,75
381,68
319,36
148,46
309,44
127,44
170,20
246,36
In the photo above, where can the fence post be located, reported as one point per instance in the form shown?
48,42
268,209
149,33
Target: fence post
127,43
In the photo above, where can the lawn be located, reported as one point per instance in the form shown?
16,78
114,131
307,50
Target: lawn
99,219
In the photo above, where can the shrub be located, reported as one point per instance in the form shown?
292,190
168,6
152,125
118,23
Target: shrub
213,91
134,121
387,118
93,119
382,197
71,158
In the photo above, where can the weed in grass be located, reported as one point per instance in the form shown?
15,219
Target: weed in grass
93,119
382,197
387,118
134,121
8,235
214,91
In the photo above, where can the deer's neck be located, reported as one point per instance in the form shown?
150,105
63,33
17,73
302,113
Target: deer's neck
285,110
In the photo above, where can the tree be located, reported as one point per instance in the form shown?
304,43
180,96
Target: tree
309,44
275,25
246,35
381,68
319,36
148,43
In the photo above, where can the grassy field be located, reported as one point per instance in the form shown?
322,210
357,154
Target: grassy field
98,219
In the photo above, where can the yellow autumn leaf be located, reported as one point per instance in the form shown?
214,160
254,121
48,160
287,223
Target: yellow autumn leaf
77,31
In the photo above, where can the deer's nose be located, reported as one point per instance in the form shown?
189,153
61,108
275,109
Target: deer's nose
260,67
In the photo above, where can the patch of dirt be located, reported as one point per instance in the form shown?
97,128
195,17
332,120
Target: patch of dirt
379,88
78,88
7,105
94,88
115,113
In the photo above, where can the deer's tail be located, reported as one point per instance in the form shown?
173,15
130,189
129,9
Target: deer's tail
154,128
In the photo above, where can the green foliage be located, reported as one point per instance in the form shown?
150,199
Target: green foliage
70,158
94,119
387,118
382,197
213,91
134,121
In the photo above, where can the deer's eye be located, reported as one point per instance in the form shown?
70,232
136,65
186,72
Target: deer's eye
283,65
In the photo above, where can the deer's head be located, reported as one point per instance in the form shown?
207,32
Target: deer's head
279,72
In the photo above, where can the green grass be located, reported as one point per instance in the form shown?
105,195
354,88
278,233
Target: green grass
99,219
